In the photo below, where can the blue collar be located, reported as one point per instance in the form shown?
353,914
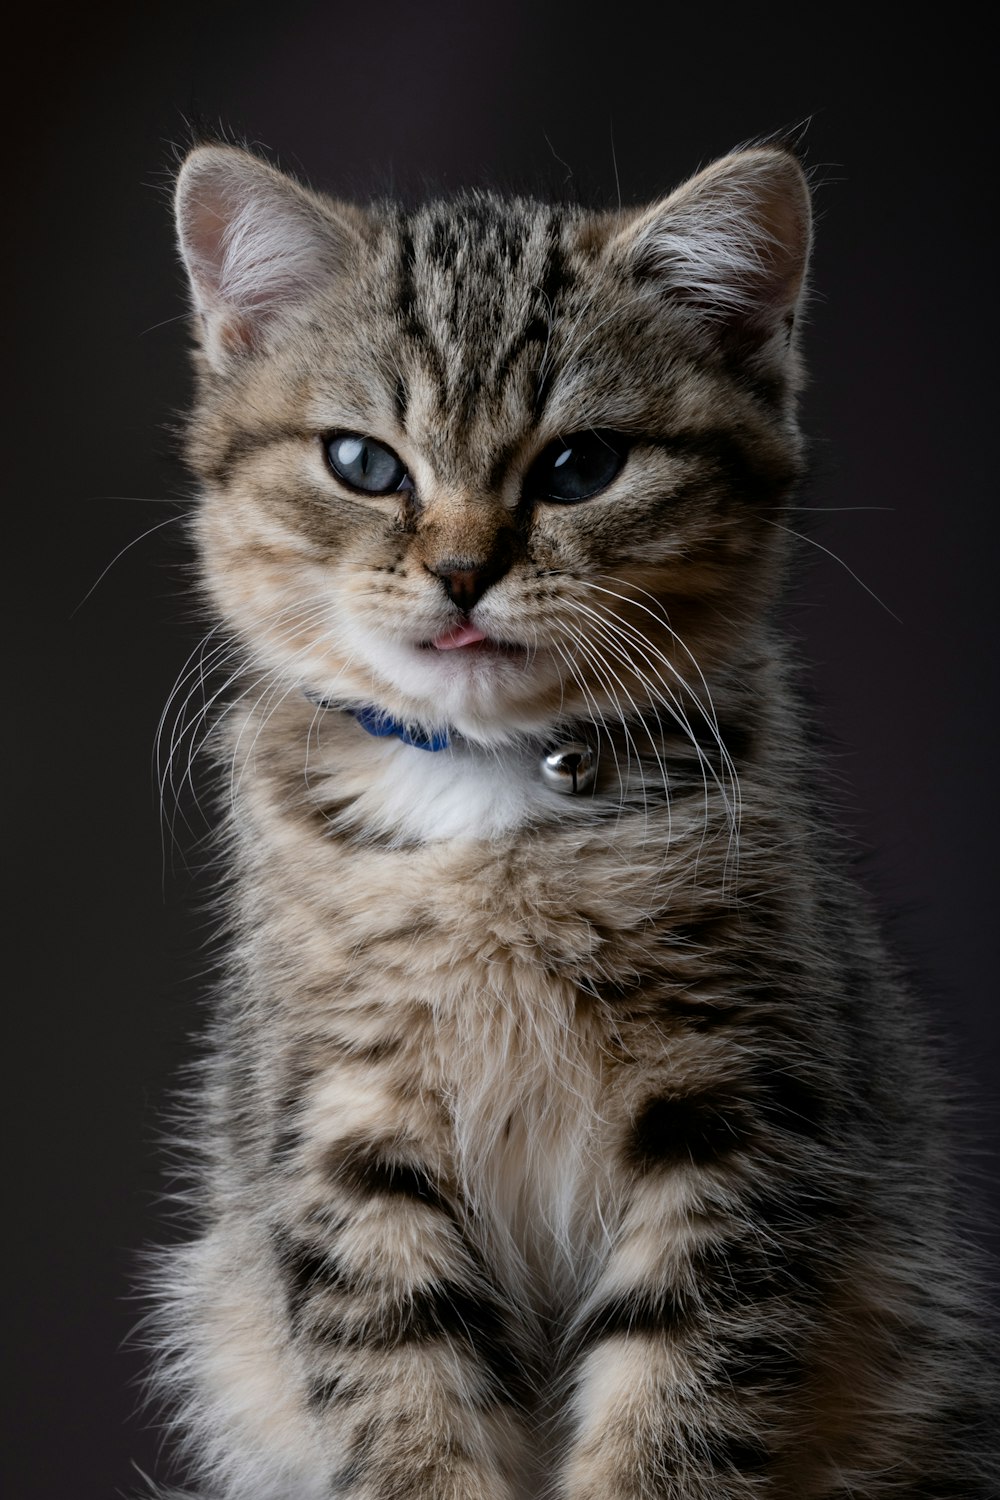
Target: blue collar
383,726
377,722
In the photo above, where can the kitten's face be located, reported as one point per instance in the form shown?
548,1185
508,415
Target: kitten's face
489,465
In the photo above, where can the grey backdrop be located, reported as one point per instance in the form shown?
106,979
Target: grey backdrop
110,966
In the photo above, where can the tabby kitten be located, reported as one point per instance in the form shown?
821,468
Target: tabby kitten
566,1131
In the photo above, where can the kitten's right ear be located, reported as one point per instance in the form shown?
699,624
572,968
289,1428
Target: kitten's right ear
254,243
731,245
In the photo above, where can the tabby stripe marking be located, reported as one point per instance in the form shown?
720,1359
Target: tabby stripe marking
447,1313
643,1313
748,474
413,322
307,1270
690,1130
245,443
371,1171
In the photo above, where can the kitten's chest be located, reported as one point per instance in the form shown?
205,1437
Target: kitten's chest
527,1099
467,973
465,976
523,1056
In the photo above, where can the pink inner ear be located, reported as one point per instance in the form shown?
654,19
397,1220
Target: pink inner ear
252,241
783,237
203,226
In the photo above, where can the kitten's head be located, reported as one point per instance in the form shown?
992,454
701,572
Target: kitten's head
494,463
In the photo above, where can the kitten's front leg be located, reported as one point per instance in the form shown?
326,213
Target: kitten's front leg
335,1334
688,1358
412,1375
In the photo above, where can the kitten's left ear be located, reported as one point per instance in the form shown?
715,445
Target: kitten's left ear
254,243
732,243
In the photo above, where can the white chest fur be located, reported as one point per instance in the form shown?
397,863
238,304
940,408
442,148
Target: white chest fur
461,792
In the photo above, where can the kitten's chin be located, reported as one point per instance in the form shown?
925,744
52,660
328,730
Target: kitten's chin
490,691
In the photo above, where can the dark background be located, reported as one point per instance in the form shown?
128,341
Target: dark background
108,970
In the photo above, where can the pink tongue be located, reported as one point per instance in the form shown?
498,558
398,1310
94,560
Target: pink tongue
459,635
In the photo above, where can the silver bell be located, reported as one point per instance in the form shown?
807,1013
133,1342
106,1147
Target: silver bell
570,769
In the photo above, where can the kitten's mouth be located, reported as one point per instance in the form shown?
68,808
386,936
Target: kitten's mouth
465,634
469,638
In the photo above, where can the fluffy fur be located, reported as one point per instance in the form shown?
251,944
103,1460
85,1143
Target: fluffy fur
577,1147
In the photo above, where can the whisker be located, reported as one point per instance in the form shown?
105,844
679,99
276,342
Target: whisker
598,718
629,637
709,714
294,618
789,531
597,666
606,671
631,642
170,521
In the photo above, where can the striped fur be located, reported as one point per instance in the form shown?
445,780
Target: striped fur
583,1148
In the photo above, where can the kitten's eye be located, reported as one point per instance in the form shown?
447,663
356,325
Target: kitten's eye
365,465
574,468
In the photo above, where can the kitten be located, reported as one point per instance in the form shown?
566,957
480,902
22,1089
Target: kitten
567,1131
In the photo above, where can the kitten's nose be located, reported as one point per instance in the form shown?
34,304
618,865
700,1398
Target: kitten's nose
466,581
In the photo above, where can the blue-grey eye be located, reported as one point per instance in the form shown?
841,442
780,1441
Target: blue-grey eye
366,465
576,467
